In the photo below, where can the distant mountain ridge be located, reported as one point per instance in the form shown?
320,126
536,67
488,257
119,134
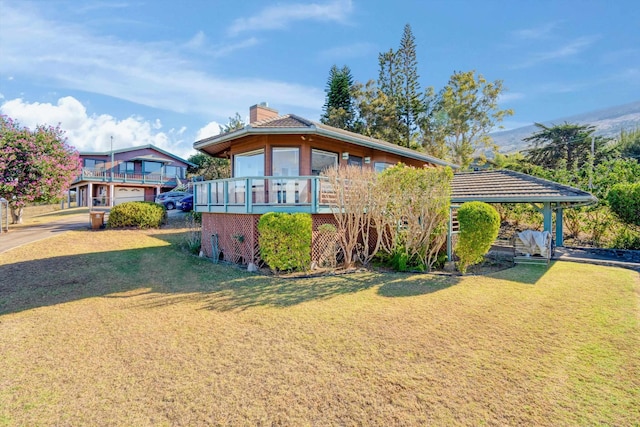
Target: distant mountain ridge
608,122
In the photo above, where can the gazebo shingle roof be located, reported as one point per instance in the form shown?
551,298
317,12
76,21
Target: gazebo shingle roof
506,186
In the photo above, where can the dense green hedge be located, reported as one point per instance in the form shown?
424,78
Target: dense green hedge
137,214
285,240
479,226
624,200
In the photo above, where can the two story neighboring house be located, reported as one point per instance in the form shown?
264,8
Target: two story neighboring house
128,174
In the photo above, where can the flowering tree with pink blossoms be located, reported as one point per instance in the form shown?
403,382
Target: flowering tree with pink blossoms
35,165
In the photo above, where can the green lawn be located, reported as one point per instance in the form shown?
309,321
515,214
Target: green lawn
122,328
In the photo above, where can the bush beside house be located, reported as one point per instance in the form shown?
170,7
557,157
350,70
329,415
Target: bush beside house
285,241
137,214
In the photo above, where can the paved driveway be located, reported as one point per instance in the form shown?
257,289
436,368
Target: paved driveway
22,235
18,236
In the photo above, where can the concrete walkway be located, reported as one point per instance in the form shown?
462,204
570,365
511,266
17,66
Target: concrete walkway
24,234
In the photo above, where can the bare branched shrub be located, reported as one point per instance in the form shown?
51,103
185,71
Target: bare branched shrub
402,209
353,207
418,210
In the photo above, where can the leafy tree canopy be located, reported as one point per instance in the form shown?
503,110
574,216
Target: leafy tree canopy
234,123
461,117
35,165
628,145
568,144
450,125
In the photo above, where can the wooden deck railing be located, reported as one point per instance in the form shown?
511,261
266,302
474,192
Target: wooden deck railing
264,194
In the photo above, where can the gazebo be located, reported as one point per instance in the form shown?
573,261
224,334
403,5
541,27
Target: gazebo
506,186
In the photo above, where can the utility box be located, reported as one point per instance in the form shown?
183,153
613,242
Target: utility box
97,220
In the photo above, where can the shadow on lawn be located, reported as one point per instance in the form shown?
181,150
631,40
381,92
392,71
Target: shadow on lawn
528,274
164,275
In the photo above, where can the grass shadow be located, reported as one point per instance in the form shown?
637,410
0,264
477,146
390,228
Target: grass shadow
161,275
415,285
528,274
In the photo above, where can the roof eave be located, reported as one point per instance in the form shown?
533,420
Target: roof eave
527,199
370,144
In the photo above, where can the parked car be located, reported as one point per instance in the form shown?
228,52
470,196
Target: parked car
186,203
170,198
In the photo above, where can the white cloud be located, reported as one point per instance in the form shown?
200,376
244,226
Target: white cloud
536,33
278,17
93,133
157,75
210,129
570,49
510,96
228,48
197,41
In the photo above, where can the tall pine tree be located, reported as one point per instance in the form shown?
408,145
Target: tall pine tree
410,103
389,81
338,107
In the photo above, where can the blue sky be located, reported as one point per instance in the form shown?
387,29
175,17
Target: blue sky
167,72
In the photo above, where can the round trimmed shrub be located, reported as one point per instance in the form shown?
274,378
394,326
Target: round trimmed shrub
137,214
479,226
285,240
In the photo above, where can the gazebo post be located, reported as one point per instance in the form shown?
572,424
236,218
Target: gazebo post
546,213
559,239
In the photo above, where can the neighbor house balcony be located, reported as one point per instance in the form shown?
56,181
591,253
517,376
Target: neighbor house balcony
259,195
101,175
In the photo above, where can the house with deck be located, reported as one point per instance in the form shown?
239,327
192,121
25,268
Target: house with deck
127,175
276,164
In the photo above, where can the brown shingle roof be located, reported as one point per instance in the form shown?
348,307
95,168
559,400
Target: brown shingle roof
286,121
292,124
505,186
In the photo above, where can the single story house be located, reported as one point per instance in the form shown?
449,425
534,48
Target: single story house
125,175
276,161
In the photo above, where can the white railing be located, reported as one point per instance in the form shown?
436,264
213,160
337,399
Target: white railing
263,194
92,174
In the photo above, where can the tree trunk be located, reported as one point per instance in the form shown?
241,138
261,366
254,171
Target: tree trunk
16,215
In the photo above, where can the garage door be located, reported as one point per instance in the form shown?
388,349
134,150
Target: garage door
128,194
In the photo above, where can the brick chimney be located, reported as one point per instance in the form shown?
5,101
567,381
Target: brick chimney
260,112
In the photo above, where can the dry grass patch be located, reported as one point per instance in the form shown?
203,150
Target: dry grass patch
120,328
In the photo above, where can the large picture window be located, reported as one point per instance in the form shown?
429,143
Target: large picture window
151,167
248,164
322,160
127,167
93,164
172,171
285,161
